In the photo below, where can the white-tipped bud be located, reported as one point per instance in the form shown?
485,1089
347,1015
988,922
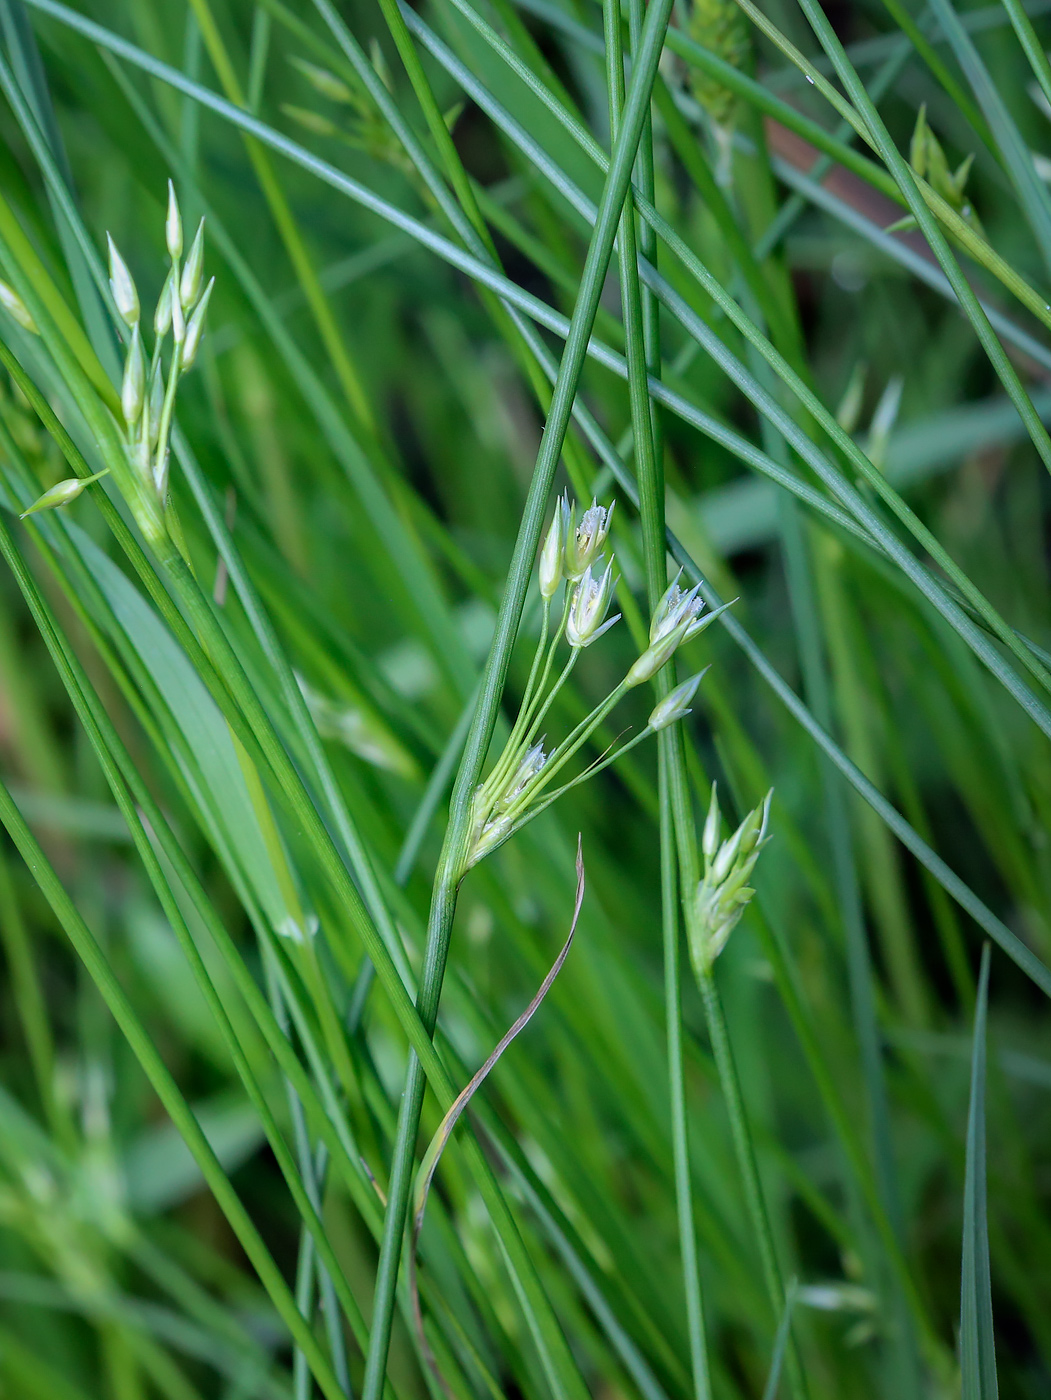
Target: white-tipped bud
660,651
173,225
133,388
16,308
713,825
162,317
675,608
193,269
122,285
195,330
554,545
60,494
676,704
585,543
591,600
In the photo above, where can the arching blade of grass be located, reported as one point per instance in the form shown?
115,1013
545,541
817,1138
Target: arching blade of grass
977,1342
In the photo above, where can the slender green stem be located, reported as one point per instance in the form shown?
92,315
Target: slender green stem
642,352
454,850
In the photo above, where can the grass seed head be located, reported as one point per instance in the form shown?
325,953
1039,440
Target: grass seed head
16,308
551,556
591,600
122,285
585,543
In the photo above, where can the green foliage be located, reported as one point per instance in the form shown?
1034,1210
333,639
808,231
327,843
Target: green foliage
279,653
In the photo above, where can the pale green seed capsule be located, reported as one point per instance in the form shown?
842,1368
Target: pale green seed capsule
61,493
712,827
16,308
585,543
122,285
195,330
554,545
162,317
133,388
676,704
190,283
591,600
173,225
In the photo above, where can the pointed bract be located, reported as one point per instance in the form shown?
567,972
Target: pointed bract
16,308
676,704
591,600
551,556
133,387
584,544
195,330
173,225
122,285
60,494
193,269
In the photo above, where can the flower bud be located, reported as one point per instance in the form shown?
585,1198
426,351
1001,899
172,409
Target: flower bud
195,330
660,651
591,600
122,285
674,608
60,494
724,891
676,704
190,282
173,225
133,389
552,552
712,827
16,308
162,317
584,544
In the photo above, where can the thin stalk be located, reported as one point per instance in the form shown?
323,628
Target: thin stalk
642,354
744,1149
454,850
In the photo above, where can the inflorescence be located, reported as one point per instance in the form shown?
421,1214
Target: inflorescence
517,789
147,393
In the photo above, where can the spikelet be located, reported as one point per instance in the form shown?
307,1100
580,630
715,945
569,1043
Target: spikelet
720,27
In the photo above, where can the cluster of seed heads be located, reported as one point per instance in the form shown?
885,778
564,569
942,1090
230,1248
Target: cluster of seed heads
572,554
723,891
148,397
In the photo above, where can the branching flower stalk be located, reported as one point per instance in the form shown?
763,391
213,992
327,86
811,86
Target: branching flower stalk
512,794
147,398
147,395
